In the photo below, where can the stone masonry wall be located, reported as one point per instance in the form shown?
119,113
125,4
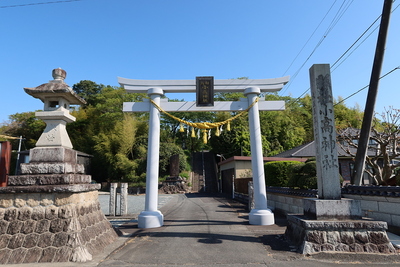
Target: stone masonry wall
52,227
358,236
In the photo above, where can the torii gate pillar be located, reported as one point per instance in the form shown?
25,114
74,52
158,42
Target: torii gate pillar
260,215
151,217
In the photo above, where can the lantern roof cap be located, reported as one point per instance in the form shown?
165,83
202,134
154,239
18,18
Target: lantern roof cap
56,88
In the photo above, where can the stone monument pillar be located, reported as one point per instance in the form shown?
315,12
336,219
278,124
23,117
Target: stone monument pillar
331,223
51,212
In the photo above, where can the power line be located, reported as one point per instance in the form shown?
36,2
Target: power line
40,3
353,94
365,87
358,39
301,50
347,51
339,14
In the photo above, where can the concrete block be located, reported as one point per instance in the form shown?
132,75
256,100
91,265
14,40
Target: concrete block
332,209
271,203
395,220
289,200
271,196
293,209
53,154
380,216
374,198
281,199
285,207
352,196
369,205
386,207
51,168
298,202
393,199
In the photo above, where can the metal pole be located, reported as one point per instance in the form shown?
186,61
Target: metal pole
19,150
372,94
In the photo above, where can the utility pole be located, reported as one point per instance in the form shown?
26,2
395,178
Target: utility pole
372,93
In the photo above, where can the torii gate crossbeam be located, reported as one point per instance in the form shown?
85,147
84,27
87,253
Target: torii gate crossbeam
151,217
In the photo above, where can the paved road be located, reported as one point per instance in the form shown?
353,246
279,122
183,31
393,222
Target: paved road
206,230
203,230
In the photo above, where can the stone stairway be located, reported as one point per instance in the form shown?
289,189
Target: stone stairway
204,172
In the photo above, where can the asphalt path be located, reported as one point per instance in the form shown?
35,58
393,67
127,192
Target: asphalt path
206,230
209,230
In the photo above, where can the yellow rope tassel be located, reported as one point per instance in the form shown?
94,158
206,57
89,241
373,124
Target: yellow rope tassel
204,125
193,133
217,133
228,126
204,136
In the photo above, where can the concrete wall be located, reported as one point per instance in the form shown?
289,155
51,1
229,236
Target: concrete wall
376,207
285,203
380,208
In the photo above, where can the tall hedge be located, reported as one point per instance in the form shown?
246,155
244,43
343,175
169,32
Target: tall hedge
278,173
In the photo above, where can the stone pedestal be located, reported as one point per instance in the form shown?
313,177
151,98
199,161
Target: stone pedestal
51,212
358,236
336,226
328,209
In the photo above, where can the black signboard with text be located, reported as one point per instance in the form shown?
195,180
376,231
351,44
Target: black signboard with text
205,91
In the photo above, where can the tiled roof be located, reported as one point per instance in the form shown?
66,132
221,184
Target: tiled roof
308,151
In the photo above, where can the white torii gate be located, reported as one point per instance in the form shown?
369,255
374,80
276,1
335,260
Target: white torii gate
151,217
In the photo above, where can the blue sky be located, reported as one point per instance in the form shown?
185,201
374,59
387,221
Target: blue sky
101,40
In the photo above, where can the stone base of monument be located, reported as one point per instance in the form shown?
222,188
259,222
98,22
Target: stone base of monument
336,226
51,212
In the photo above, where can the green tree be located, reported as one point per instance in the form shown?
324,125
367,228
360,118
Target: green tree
26,125
101,130
114,148
88,90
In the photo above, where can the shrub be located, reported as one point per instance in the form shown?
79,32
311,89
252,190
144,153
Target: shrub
295,174
277,173
307,176
307,182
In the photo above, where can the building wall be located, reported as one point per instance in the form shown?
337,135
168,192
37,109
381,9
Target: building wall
240,167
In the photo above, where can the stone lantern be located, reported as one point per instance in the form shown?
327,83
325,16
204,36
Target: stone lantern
57,97
52,207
